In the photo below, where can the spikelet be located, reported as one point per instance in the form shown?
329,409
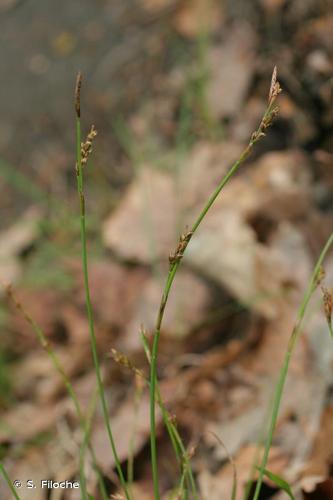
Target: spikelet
272,110
123,360
328,304
77,95
86,147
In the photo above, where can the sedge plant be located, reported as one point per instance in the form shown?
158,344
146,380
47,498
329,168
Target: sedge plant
83,150
176,258
187,482
313,284
83,421
180,451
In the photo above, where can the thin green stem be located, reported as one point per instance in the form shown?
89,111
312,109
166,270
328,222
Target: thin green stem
181,488
152,386
330,328
131,451
86,443
284,370
178,446
69,387
175,438
93,342
258,450
177,257
8,481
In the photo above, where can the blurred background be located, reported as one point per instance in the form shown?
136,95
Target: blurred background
175,89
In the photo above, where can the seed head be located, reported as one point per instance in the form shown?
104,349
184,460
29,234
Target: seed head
275,88
78,94
123,360
328,304
320,276
86,147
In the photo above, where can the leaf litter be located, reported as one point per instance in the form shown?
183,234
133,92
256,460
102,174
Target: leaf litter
233,307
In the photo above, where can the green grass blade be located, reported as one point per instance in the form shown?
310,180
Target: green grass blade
8,481
284,370
86,444
22,183
266,121
280,482
69,387
131,448
330,328
93,342
176,440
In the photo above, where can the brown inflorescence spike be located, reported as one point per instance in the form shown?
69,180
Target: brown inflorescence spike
124,361
320,276
275,88
328,304
78,94
273,84
182,244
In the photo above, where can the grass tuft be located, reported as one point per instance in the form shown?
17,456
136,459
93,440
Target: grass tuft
45,344
176,258
186,485
83,150
313,284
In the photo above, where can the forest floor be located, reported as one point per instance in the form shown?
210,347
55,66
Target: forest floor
174,105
